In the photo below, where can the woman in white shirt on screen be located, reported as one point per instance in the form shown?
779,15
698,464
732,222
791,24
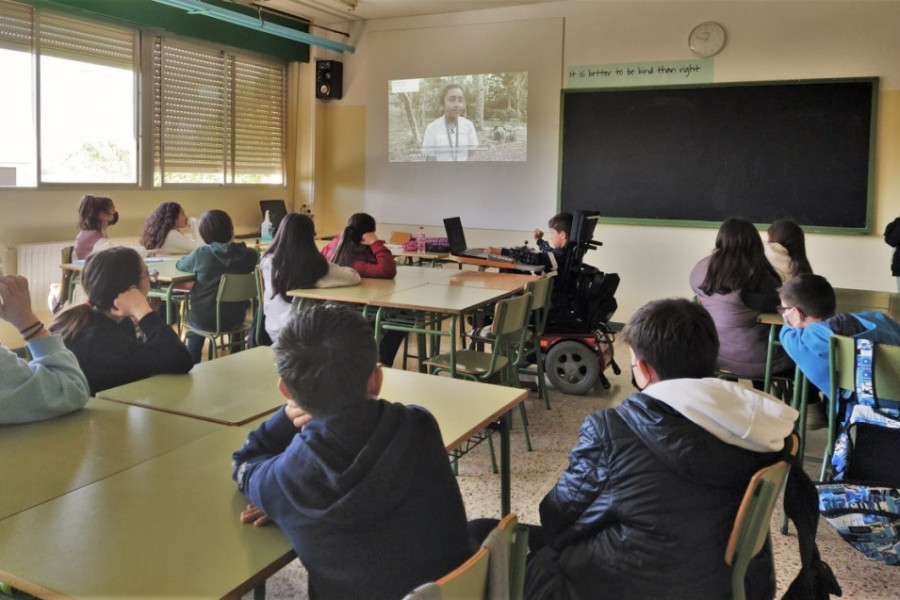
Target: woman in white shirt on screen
169,231
451,136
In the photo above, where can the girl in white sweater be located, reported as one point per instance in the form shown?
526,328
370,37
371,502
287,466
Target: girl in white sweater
294,262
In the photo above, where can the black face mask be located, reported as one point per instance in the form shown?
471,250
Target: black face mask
636,386
115,218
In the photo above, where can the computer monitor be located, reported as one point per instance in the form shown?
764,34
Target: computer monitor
277,211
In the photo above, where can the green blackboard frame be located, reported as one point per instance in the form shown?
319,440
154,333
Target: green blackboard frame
585,163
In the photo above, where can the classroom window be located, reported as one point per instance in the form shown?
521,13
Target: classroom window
218,118
84,95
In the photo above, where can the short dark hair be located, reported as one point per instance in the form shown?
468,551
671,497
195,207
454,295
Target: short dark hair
812,294
325,356
676,337
561,222
216,226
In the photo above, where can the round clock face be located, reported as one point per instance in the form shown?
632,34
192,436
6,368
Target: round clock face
707,39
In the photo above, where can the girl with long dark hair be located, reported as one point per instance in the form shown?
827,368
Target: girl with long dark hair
359,247
294,262
167,230
116,336
736,284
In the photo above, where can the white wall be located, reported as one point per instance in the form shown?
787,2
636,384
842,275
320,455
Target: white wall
767,40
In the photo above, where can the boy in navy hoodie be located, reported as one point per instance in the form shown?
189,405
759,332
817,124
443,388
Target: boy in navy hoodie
361,486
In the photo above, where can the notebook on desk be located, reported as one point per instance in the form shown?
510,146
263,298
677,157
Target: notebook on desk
456,239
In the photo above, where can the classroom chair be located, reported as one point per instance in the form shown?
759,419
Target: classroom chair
64,293
540,290
469,581
508,546
508,332
232,288
842,376
751,525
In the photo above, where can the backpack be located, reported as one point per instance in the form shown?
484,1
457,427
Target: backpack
863,501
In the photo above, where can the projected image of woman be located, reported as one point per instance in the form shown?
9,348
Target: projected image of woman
450,137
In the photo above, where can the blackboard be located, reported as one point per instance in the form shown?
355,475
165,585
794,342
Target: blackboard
696,155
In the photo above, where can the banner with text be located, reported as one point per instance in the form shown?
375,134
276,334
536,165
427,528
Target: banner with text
670,72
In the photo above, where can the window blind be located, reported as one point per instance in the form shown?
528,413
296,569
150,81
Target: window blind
15,26
84,41
218,118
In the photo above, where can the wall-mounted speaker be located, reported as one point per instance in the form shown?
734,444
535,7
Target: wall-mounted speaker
329,79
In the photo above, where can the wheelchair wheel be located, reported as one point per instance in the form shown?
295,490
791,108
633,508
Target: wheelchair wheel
571,367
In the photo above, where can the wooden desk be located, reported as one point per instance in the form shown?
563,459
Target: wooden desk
166,528
168,275
44,460
509,282
852,300
483,263
413,257
231,390
462,409
169,527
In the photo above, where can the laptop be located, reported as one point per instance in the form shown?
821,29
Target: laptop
277,211
456,239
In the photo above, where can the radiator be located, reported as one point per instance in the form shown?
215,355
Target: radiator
39,263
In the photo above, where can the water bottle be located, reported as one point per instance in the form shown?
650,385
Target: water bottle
265,229
420,241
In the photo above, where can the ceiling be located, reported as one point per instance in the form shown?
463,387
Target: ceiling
332,12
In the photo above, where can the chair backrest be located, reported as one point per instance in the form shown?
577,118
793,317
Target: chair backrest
887,372
64,291
237,287
399,237
751,525
511,316
540,290
466,582
508,546
842,364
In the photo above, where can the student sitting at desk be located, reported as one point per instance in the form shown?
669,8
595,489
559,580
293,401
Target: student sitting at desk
359,247
168,231
808,307
786,249
293,262
736,284
361,486
95,215
558,247
208,263
116,336
52,384
648,501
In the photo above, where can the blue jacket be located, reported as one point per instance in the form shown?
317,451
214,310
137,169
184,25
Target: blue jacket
648,501
809,346
365,495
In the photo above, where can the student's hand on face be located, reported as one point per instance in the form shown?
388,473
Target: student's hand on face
16,305
296,415
368,238
131,303
251,514
538,234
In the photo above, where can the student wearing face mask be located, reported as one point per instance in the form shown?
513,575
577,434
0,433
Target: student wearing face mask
95,214
648,501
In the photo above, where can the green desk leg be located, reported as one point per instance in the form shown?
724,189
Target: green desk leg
770,351
799,403
504,465
259,592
